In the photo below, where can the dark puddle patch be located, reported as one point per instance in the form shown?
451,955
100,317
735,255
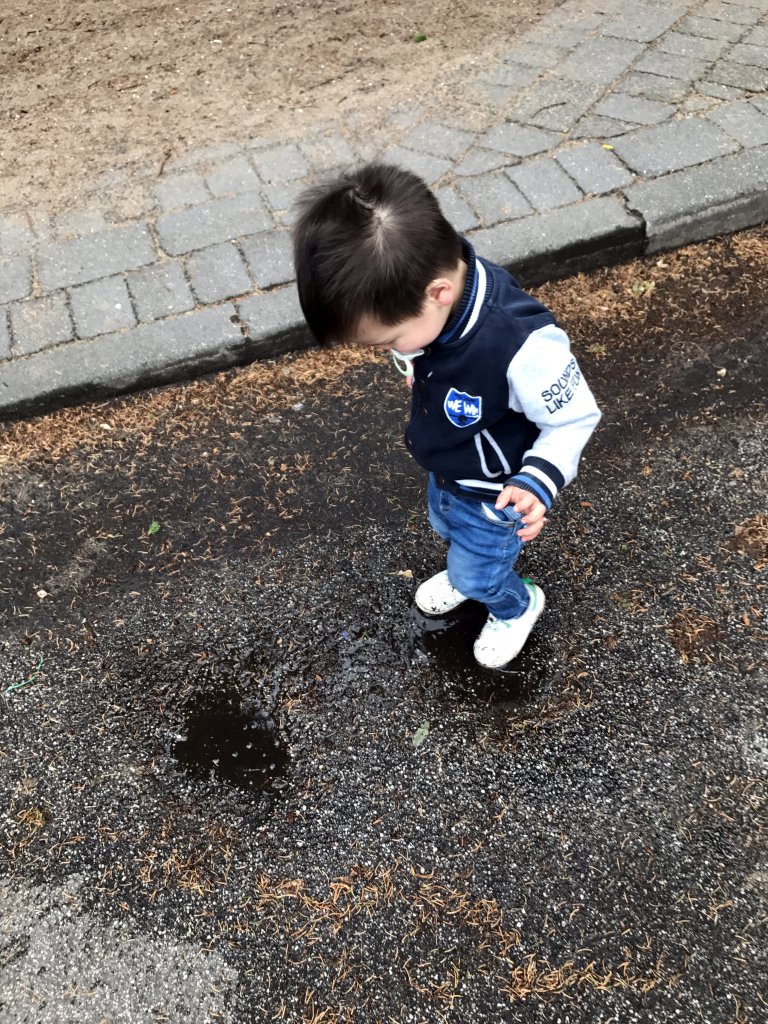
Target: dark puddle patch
222,741
448,642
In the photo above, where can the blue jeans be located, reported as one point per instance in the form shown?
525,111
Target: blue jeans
483,548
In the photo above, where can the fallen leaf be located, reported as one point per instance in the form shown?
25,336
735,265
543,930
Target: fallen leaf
406,573
420,735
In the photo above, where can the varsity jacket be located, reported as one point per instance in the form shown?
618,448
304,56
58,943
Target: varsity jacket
498,398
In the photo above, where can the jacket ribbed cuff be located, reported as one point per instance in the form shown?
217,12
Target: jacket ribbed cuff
539,477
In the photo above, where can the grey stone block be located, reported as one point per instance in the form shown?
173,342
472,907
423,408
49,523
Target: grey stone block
15,234
518,140
233,177
160,291
757,36
76,223
642,22
5,336
149,354
654,87
282,199
328,152
98,255
456,210
275,322
101,307
270,258
671,65
540,57
556,104
720,92
743,122
438,140
217,273
727,195
670,147
745,53
15,278
600,60
280,163
595,169
430,168
218,220
729,13
40,323
692,46
181,190
635,109
213,153
593,126
545,184
495,198
739,76
511,74
478,161
592,233
707,28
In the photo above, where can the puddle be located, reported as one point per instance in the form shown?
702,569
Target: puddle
448,642
221,741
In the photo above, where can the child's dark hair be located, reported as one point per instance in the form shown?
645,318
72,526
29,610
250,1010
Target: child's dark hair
368,244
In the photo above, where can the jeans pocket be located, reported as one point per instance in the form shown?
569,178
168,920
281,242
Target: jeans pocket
503,517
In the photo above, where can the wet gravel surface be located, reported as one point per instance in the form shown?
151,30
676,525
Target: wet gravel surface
245,780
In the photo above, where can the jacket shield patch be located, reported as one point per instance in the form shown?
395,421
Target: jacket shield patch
462,410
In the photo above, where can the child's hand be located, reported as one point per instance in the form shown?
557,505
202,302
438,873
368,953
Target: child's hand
534,511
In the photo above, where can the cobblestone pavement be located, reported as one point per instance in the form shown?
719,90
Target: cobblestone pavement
611,129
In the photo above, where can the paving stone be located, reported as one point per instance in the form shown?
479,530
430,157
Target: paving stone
233,177
710,29
727,195
478,161
438,140
15,278
642,22
556,104
15,234
328,152
217,220
160,291
635,109
179,347
39,323
731,13
600,60
541,57
720,92
280,163
545,184
100,254
275,322
494,197
692,46
761,102
744,53
181,190
743,122
757,36
282,199
511,74
456,210
492,98
595,169
430,168
672,65
76,223
739,76
593,126
518,140
42,225
217,273
653,87
270,258
670,147
697,103
202,155
592,233
5,335
101,307
404,115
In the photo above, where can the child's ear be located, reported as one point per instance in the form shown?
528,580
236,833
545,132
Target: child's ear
441,291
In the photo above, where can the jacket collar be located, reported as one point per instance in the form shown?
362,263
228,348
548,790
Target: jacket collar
457,323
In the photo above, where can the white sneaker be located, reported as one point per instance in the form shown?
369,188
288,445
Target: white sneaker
437,596
501,640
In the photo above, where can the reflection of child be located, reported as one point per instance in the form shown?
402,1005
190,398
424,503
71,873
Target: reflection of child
500,412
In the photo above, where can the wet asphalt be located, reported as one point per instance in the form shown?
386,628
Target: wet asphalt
244,780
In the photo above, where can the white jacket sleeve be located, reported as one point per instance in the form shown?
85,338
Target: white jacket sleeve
546,385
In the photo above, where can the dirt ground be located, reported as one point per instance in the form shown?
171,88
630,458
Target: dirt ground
373,830
88,85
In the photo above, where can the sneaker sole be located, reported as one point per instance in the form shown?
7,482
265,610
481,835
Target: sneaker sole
541,604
